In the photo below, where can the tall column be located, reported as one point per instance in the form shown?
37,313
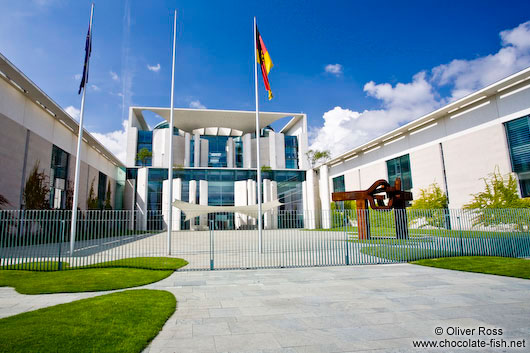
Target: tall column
267,198
177,195
309,201
272,150
187,157
324,197
141,197
230,153
203,200
192,198
251,197
247,151
275,212
204,153
197,150
240,199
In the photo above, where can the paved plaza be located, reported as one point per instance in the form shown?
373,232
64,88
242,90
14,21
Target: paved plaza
376,308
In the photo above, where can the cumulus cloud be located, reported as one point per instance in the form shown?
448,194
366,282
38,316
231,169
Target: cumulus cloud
73,112
154,68
115,141
334,69
344,129
114,76
196,104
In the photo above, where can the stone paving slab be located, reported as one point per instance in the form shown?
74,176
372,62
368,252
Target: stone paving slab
379,308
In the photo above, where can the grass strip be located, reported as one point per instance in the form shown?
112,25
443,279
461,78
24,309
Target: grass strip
493,265
118,322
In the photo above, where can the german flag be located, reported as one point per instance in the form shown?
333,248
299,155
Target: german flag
264,60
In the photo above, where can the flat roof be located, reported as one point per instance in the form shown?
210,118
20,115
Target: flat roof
19,80
470,101
232,122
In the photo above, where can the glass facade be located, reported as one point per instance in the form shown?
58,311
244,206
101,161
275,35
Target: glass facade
58,177
192,152
145,140
238,142
338,184
102,189
400,167
518,134
291,152
216,150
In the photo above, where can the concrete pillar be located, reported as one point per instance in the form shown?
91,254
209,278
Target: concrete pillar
203,200
230,153
267,219
324,197
303,162
192,199
247,151
177,195
187,157
251,198
204,153
280,150
197,150
274,196
240,199
272,150
141,198
128,200
309,200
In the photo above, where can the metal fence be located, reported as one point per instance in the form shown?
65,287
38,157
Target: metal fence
231,241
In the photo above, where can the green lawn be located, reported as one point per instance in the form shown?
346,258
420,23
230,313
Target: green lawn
90,279
118,322
502,266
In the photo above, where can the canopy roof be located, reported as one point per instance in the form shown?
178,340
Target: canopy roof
193,119
193,210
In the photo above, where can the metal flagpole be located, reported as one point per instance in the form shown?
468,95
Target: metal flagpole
170,162
260,230
79,142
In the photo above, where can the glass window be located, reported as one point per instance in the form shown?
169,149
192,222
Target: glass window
291,152
216,150
58,177
102,189
518,134
400,168
145,140
338,184
238,142
192,152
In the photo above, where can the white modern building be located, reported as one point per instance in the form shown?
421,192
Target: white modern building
455,146
36,130
214,163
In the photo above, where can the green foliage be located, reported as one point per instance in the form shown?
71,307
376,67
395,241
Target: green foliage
500,193
265,168
316,156
92,201
117,322
143,155
107,205
430,206
36,190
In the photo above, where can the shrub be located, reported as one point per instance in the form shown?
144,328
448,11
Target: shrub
36,190
431,206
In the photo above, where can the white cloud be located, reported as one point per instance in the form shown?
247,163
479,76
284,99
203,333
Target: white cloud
115,141
95,88
196,104
401,103
73,112
77,76
334,69
114,76
154,68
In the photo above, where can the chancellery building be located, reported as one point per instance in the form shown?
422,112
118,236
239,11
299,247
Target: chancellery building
214,156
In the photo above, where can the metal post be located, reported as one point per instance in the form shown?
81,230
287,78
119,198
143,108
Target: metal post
460,231
260,226
61,245
79,145
171,122
211,245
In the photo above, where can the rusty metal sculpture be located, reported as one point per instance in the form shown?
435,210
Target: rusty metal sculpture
375,197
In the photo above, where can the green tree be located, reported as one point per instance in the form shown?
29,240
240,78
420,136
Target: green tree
500,192
265,168
431,206
107,205
92,201
143,155
36,190
316,156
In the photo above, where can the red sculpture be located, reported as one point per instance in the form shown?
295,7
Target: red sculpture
375,196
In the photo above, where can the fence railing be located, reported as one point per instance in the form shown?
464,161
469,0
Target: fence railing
230,240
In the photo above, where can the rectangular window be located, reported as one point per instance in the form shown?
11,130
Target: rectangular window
238,142
400,168
518,134
291,152
338,184
145,140
102,189
192,153
216,150
58,177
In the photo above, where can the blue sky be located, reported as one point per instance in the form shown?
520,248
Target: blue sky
387,63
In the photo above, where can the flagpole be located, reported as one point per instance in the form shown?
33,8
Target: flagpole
170,162
79,145
260,230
